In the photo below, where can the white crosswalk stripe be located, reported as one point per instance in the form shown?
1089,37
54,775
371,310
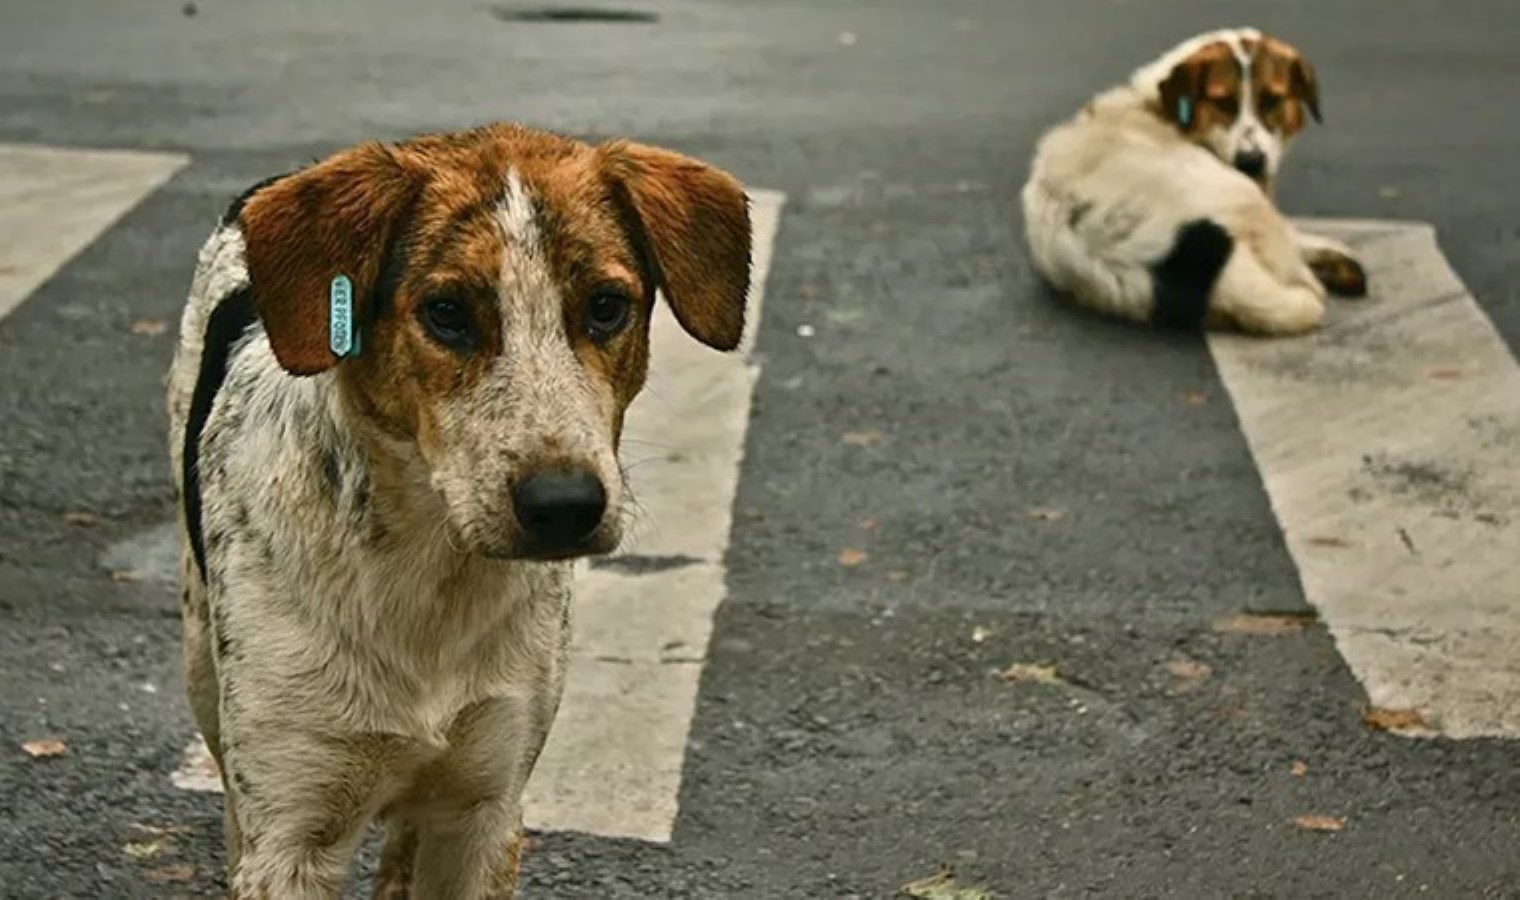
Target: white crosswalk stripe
613,762
54,201
1390,446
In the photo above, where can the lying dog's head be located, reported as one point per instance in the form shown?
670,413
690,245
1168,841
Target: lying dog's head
1240,93
503,281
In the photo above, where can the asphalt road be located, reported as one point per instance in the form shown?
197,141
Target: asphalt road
850,735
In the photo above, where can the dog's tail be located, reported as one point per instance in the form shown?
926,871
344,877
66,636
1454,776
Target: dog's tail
1183,280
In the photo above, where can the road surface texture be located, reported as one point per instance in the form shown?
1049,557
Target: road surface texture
1009,588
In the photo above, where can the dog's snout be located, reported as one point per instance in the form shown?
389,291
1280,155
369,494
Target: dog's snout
558,511
1251,163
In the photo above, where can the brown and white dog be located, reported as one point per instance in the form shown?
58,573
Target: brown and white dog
1155,201
379,505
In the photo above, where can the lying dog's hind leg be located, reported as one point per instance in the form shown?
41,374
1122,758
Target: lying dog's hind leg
1250,298
1334,264
1182,283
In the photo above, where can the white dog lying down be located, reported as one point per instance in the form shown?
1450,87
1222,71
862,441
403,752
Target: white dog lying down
1155,201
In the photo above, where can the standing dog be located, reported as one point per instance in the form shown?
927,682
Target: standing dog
395,411
1155,201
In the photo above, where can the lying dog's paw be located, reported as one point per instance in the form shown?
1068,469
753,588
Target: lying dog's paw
1340,273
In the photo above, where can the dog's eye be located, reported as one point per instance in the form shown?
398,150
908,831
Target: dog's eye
1268,103
448,321
1228,105
606,314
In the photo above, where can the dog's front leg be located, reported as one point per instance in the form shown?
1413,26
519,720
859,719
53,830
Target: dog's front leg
301,800
469,831
1334,264
473,855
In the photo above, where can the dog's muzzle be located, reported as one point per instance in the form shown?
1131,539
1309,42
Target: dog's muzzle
558,511
1252,164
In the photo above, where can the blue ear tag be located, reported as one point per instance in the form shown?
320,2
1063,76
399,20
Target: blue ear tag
1184,111
342,335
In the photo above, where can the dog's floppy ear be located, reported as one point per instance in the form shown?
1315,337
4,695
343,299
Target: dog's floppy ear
1182,89
1304,85
1187,84
303,231
694,219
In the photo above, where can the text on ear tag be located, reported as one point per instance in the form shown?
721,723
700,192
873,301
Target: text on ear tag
1184,111
342,333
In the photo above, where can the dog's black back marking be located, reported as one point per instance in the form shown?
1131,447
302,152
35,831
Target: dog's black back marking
1182,281
235,208
229,320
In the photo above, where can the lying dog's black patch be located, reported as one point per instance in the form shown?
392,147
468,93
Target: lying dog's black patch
228,321
1182,281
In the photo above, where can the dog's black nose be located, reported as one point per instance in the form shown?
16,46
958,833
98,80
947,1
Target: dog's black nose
559,510
1251,163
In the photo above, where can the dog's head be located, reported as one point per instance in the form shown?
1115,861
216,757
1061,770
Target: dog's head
502,281
1242,94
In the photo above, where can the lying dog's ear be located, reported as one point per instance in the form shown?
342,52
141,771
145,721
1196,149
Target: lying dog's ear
303,231
1186,86
1181,91
1304,85
695,221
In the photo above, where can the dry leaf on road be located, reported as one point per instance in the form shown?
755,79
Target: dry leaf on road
1195,398
143,828
942,886
81,519
1046,514
170,874
1032,673
849,557
1320,823
45,749
979,634
862,438
1446,374
1384,719
1300,768
150,327
146,849
1267,625
1189,669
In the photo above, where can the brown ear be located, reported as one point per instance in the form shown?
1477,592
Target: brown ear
695,219
1304,85
1181,91
335,218
1187,85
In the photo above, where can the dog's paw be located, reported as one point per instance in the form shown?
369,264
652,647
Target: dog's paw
1340,273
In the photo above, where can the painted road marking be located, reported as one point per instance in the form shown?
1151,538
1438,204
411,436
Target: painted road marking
1389,444
53,202
643,617
614,759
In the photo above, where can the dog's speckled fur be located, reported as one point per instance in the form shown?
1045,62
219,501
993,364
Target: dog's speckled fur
368,639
